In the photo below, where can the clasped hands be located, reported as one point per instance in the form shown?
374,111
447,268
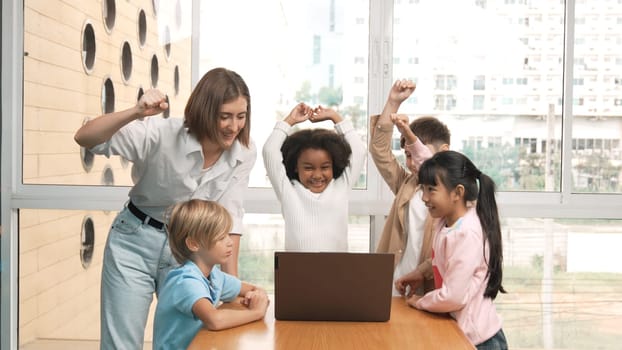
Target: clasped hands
256,298
303,112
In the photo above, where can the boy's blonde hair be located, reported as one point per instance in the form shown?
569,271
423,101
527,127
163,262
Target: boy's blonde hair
201,220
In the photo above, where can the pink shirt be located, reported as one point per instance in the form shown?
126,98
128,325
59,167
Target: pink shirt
459,260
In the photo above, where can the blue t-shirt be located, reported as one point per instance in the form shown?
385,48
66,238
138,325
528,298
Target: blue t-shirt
175,325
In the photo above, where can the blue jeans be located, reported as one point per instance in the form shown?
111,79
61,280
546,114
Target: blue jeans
497,342
137,259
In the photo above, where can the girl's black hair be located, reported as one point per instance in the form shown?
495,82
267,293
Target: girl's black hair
333,143
453,169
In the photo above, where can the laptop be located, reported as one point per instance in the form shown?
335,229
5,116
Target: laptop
330,286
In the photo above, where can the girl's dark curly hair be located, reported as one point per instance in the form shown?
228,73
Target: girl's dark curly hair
328,140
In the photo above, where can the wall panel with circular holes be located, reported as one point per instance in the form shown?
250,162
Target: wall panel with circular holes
82,59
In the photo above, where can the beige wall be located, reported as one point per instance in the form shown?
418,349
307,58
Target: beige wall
58,297
59,94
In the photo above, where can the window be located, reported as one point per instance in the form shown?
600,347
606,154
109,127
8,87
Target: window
478,102
445,82
317,49
318,52
479,83
444,102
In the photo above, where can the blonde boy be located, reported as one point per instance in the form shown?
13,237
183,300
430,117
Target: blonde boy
198,233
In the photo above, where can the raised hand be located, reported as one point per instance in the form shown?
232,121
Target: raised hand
299,114
401,90
401,122
151,103
320,114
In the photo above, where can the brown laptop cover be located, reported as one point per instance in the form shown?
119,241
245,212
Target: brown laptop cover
332,286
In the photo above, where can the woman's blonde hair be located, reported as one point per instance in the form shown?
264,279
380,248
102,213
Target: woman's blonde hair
201,220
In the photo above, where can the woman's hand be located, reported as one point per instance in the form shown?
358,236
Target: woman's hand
151,103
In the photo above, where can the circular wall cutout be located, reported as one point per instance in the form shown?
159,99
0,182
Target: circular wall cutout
108,176
142,28
109,9
167,112
86,157
167,42
107,96
155,71
176,80
88,47
87,241
126,61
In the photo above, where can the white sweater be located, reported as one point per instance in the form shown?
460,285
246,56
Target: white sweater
313,221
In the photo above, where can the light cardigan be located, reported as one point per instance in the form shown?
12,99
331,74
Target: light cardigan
313,221
403,184
460,258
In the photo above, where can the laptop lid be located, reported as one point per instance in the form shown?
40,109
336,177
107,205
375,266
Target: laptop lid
330,286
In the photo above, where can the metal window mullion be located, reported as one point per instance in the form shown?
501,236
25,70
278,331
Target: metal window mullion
11,173
379,77
567,102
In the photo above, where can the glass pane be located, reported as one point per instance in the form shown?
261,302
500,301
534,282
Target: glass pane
68,81
296,51
564,283
264,234
597,108
491,71
60,261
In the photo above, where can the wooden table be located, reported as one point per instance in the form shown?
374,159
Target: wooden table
408,328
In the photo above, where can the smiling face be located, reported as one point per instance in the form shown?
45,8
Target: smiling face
315,169
231,120
443,203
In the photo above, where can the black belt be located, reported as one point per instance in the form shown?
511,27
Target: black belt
146,219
